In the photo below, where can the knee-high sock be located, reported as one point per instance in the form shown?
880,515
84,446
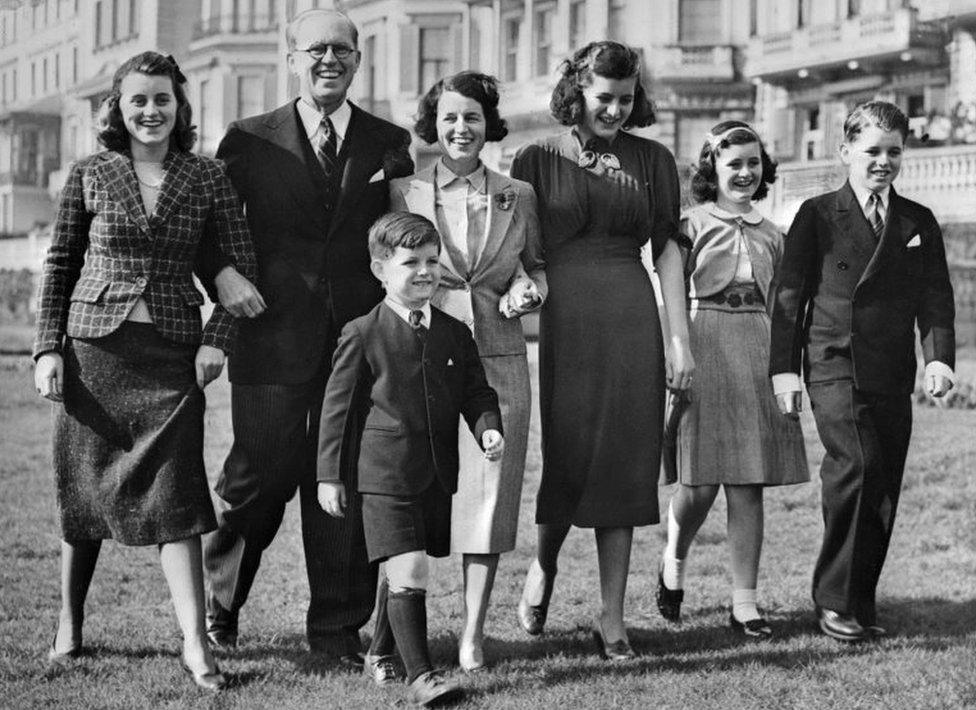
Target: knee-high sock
383,642
407,611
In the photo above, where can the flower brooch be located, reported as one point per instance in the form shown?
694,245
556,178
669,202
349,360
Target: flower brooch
505,200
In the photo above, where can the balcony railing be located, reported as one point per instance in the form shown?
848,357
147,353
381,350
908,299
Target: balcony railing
695,63
894,35
237,24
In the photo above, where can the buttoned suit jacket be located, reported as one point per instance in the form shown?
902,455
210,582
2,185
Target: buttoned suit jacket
405,395
512,251
313,261
846,305
106,252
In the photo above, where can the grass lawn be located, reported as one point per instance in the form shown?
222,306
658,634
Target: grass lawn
927,601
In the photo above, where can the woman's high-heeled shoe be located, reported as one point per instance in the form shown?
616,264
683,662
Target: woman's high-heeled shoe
532,617
472,661
54,656
212,682
615,652
755,628
668,600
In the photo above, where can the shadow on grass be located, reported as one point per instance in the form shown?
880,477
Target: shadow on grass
932,624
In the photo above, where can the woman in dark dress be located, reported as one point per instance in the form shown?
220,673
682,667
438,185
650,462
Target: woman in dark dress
603,367
119,343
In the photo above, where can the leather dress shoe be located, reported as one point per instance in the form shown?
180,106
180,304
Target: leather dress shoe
221,625
874,631
843,627
754,628
532,617
212,682
433,688
617,651
382,670
668,600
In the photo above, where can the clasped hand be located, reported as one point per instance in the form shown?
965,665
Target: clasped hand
520,299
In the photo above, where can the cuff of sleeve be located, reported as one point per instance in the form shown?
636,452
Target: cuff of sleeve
786,382
940,368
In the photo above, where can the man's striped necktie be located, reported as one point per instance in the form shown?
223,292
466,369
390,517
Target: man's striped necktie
325,147
874,215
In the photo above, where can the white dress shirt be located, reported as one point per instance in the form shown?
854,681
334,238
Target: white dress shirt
404,312
312,118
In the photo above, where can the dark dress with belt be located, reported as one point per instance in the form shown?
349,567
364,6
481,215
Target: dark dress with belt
601,356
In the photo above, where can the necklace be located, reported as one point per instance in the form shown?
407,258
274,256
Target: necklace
146,171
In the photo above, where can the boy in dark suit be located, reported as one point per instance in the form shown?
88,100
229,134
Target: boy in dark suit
862,267
401,376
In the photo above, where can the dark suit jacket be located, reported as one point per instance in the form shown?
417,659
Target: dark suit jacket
106,252
405,395
313,261
846,305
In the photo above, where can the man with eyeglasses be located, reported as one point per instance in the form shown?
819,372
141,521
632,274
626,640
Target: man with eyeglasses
313,176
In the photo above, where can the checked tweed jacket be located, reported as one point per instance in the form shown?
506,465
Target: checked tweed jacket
106,252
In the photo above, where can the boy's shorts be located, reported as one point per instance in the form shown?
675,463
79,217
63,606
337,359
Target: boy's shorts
397,524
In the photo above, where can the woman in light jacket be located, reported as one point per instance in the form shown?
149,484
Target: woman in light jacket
492,267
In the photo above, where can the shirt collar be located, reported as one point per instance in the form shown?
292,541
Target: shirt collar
443,176
312,117
753,216
863,196
404,312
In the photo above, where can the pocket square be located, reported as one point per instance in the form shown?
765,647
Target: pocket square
450,362
915,241
378,175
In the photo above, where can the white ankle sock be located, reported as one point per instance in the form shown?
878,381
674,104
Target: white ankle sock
744,605
673,572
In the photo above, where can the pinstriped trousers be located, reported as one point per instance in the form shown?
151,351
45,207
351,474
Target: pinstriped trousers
273,455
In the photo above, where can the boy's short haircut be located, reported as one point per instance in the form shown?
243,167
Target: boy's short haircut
401,229
883,114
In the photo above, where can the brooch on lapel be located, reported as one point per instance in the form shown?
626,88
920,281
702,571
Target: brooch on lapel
505,200
588,158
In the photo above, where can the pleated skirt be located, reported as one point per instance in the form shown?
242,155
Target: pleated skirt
485,509
732,431
128,442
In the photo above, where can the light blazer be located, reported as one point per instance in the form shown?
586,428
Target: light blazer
313,261
847,306
404,394
106,252
512,251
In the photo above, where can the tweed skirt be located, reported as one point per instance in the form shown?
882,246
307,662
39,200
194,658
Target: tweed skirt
484,518
128,442
732,431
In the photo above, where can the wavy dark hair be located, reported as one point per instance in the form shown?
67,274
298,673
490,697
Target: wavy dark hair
112,132
883,114
482,88
400,229
610,60
704,182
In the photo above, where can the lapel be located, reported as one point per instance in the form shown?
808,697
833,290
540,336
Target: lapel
364,152
286,132
421,199
119,180
898,225
181,174
499,219
853,226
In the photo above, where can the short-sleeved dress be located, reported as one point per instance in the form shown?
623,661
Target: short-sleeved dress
601,355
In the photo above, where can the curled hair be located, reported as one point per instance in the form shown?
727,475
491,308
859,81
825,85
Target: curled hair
473,85
608,59
882,114
401,229
704,182
112,132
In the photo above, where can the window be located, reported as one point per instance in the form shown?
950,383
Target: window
44,75
543,39
33,91
204,113
434,55
577,24
691,132
3,88
57,70
699,21
98,24
511,27
13,86
133,18
250,96
369,72
74,65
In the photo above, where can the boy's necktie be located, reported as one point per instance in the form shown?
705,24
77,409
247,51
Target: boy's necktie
325,147
417,323
874,215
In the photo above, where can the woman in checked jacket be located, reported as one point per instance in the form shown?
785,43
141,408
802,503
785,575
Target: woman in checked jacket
119,344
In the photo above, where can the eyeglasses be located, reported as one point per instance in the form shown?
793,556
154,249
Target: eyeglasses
318,51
